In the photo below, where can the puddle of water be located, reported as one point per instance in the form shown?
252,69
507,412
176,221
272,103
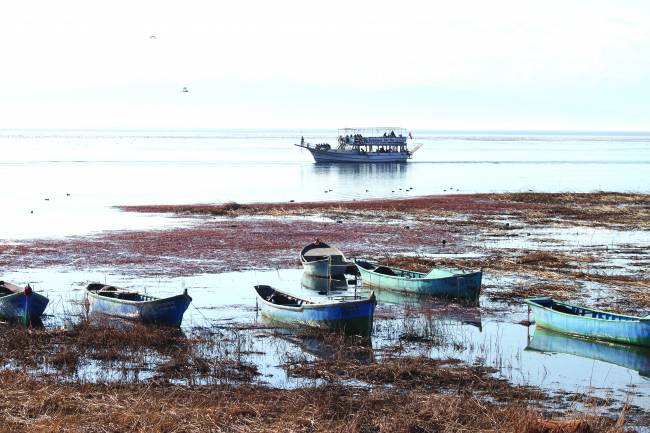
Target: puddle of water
470,333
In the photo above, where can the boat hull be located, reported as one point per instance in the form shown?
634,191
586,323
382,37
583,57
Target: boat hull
165,311
18,306
336,155
594,324
465,286
352,317
631,357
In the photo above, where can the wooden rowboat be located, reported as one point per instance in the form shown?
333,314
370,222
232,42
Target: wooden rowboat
440,282
18,303
590,323
353,316
113,301
321,260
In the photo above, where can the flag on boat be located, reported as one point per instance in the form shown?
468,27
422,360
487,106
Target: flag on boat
410,136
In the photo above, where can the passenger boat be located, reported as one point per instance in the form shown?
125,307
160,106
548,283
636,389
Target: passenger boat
635,358
321,260
18,303
589,323
440,282
113,301
364,145
353,316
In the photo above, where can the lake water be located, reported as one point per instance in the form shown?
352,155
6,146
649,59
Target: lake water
61,183
65,182
526,356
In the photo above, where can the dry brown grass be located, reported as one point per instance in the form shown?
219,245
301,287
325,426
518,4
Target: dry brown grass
44,405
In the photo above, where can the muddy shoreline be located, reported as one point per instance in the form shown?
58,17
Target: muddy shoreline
587,248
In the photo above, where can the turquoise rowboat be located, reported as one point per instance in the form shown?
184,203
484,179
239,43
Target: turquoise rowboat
353,316
585,322
22,304
440,282
321,260
113,301
635,358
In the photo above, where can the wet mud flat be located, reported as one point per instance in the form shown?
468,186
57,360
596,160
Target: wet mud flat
221,372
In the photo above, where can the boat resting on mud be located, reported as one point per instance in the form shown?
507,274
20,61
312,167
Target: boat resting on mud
103,299
353,316
321,260
439,282
18,303
589,323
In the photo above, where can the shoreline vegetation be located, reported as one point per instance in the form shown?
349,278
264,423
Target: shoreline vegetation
577,247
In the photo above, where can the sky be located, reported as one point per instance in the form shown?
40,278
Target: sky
464,65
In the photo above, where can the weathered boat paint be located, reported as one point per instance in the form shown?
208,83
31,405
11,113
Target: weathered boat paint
22,304
322,260
635,358
590,323
147,309
440,282
353,316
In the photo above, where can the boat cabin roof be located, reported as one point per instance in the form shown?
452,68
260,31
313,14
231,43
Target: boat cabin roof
374,131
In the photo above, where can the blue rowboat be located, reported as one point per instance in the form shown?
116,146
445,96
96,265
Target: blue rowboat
112,301
440,282
589,323
635,358
23,304
353,316
321,260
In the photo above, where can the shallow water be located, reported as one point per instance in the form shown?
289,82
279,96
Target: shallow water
473,334
100,169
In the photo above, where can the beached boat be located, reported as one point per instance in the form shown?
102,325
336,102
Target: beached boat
364,145
589,323
635,358
353,316
440,282
321,260
18,303
113,301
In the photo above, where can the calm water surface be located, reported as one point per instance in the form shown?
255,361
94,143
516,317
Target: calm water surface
61,183
65,182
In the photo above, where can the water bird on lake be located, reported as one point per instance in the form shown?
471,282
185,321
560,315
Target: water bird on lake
185,90
18,303
102,299
346,313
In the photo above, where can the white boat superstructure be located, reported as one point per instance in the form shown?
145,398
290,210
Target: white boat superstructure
364,145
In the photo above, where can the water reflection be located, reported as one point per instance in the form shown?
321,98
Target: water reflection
370,170
329,346
324,286
631,357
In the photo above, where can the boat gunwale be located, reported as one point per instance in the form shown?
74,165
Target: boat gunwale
531,301
424,274
311,305
154,300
